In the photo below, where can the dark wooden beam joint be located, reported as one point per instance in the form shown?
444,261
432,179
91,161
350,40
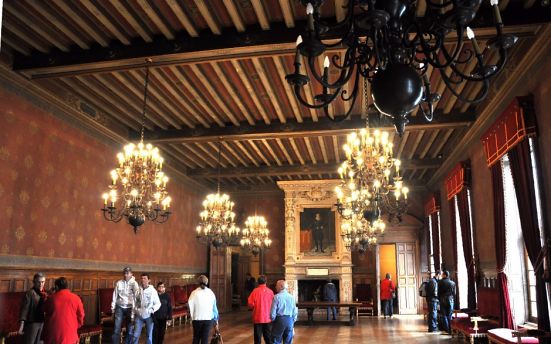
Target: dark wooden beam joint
323,127
266,171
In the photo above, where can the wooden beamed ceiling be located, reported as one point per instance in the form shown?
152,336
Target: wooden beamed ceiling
219,76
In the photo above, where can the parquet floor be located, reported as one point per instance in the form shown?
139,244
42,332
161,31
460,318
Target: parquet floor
236,328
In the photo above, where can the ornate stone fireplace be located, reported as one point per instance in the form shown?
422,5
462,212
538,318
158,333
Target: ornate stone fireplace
313,247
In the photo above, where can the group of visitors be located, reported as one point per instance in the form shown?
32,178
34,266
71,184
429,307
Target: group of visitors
440,292
52,317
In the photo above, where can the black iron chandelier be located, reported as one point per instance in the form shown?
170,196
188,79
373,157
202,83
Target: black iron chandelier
387,44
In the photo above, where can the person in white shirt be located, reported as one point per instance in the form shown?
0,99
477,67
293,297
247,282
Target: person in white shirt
203,311
147,303
124,296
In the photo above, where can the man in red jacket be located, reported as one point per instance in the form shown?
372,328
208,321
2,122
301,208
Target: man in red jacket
64,314
387,294
260,301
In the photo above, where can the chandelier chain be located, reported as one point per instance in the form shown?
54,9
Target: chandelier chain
219,163
148,62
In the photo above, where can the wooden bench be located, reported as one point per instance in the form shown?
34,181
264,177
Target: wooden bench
312,305
488,308
505,336
86,333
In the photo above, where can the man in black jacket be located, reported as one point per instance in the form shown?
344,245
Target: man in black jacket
432,301
162,316
446,294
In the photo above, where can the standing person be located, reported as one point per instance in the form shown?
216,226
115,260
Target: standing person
330,294
446,292
432,301
260,301
163,316
250,284
203,311
387,291
31,314
124,296
64,314
317,231
147,303
283,314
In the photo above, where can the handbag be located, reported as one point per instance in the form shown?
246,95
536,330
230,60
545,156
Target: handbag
216,338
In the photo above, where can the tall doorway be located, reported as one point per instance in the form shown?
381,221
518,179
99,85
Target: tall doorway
387,264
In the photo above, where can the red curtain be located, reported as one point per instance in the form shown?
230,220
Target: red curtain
435,240
466,237
453,228
521,169
501,246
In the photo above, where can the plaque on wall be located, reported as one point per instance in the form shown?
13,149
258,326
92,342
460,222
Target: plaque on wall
317,232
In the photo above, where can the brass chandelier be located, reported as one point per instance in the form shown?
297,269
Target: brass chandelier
138,189
385,42
217,221
255,235
360,234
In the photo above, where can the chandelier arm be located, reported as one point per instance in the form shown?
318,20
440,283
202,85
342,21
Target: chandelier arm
442,47
354,92
298,94
429,115
438,5
344,76
485,89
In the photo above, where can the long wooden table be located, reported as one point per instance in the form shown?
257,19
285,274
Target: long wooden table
311,305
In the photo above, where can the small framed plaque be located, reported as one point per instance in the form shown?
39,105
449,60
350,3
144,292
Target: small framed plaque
317,272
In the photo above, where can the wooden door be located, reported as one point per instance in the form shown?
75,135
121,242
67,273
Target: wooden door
220,277
407,281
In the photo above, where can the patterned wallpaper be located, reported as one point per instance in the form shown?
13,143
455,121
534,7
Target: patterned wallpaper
52,176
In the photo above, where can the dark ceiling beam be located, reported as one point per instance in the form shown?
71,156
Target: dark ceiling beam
231,44
323,127
266,171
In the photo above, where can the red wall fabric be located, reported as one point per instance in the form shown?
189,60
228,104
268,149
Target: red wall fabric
52,176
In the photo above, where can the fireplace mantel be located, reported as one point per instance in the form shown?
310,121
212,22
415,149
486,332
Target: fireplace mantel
313,194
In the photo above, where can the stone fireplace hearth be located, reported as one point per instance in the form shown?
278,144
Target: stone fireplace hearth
303,201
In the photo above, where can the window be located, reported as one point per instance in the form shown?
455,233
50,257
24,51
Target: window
432,259
462,276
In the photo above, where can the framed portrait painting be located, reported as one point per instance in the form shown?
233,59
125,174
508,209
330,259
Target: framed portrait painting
317,232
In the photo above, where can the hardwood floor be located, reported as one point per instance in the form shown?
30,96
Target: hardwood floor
236,328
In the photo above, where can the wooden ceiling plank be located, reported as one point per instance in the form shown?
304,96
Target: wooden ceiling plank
177,97
231,91
185,156
83,24
478,86
268,87
182,17
212,156
421,8
288,89
15,45
159,96
416,144
336,148
271,151
16,31
402,144
323,149
442,143
238,157
308,93
154,116
261,14
168,151
31,23
340,9
246,152
310,150
258,152
285,152
429,144
108,109
154,17
287,11
324,127
528,3
113,96
210,162
211,22
234,15
223,155
410,177
123,11
69,32
214,94
105,21
251,90
467,70
296,150
420,177
189,86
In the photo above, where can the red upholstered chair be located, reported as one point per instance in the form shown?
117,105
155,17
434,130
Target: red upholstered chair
10,304
488,307
105,296
505,336
86,333
365,296
178,311
180,296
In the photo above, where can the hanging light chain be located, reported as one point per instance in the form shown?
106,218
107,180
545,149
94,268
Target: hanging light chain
148,62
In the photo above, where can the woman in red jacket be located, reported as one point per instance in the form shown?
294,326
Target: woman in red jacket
64,314
387,291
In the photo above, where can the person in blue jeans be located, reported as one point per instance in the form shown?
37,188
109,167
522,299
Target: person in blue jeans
124,295
283,313
432,302
446,291
147,303
330,294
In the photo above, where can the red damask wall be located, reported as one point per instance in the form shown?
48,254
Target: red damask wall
52,175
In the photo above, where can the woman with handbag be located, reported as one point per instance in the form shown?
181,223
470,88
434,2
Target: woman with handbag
203,311
387,294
